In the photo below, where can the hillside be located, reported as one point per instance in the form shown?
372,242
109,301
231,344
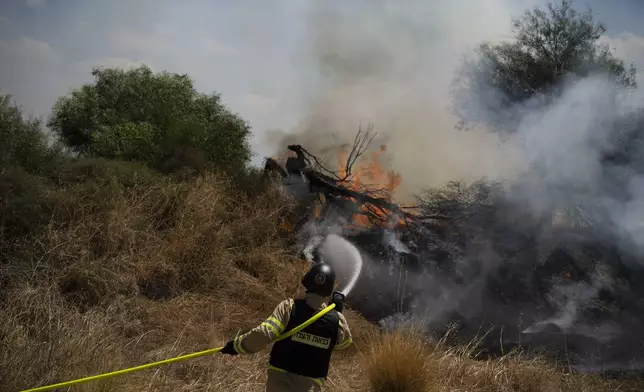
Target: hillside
111,265
133,227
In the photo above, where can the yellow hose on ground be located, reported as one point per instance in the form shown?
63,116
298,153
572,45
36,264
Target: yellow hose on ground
172,360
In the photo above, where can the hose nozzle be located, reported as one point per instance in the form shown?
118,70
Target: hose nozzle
338,300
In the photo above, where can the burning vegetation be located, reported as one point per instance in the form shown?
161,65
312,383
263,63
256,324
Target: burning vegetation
360,189
550,259
156,233
470,259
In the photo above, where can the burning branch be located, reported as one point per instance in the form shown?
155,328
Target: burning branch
360,145
371,203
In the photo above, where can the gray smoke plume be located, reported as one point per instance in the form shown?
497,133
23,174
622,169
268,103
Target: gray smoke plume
564,144
585,203
391,64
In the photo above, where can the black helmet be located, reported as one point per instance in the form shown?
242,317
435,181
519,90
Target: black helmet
320,279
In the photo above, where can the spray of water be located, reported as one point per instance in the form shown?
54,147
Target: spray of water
344,258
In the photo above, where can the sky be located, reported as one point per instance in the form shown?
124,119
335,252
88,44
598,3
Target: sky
263,57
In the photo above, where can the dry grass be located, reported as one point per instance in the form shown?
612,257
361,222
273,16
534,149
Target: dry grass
398,362
404,361
120,275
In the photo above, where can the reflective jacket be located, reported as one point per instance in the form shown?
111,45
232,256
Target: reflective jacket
269,330
307,352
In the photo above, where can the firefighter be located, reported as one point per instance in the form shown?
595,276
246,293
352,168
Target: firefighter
301,361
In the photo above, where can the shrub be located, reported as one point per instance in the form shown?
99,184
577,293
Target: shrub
398,362
23,142
155,118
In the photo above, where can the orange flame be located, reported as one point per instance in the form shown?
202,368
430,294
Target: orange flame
370,175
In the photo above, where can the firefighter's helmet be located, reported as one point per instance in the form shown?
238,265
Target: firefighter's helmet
320,279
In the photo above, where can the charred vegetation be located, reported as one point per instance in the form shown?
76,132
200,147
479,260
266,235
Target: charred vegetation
469,259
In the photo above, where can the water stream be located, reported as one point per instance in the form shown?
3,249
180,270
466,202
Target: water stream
344,258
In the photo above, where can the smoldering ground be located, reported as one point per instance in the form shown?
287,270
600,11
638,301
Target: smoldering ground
552,257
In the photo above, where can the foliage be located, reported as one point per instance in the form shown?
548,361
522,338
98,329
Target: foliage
23,141
549,47
155,118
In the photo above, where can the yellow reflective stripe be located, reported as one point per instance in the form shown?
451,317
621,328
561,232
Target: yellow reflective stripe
344,344
319,381
237,345
272,327
277,323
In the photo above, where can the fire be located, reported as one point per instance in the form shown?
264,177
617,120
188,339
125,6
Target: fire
369,174
369,177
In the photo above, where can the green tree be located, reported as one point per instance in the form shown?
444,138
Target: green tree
549,45
23,142
156,118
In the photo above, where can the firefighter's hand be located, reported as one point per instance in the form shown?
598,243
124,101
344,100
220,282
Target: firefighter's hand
338,300
229,348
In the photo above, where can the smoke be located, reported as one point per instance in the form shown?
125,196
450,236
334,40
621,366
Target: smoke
564,144
344,258
391,64
570,299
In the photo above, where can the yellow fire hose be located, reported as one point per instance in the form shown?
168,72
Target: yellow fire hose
172,360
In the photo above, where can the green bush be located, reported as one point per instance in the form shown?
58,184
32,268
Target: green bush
155,118
23,142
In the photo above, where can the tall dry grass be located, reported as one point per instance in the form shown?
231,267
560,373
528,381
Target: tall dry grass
405,361
398,362
127,270
108,266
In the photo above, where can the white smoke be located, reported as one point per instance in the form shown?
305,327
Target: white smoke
391,64
344,258
563,145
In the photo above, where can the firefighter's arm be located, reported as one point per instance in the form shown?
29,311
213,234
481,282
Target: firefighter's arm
344,335
265,333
